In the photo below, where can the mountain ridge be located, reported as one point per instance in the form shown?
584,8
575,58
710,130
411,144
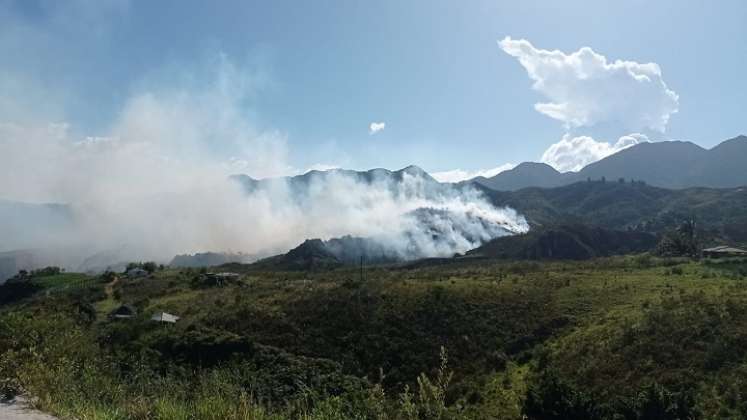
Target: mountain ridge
667,164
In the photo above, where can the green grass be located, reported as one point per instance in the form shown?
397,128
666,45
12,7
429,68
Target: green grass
608,336
64,281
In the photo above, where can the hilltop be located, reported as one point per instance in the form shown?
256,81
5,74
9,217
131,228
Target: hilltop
298,184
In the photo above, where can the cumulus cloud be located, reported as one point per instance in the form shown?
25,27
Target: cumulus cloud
584,88
573,153
458,175
375,127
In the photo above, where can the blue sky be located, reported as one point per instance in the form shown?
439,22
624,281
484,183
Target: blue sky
317,74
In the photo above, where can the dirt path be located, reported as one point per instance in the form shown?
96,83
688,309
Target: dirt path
109,289
17,410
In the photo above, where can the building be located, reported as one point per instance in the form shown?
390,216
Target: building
220,279
164,317
123,312
724,251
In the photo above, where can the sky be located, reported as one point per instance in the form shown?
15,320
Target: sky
457,88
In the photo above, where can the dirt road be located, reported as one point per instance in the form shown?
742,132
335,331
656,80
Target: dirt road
17,410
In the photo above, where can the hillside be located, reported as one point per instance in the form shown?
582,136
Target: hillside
537,339
566,242
626,205
668,164
316,254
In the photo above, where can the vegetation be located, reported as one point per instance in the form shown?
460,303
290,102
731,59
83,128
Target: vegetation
635,337
633,205
567,242
680,242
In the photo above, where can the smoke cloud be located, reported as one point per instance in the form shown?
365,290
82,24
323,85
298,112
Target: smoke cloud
156,184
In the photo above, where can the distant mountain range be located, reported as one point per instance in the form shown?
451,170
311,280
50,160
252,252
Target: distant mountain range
299,184
674,180
720,213
668,164
577,221
369,176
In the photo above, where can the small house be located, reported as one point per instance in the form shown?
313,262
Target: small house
123,312
724,251
164,317
220,279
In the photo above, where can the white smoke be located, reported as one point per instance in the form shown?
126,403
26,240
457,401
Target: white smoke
413,217
156,184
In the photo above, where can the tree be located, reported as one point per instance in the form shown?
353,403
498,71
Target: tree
109,275
656,402
681,241
46,271
150,267
549,397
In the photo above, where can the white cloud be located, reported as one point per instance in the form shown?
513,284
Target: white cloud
573,153
375,127
585,89
458,175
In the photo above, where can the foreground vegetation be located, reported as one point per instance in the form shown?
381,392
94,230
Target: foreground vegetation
613,338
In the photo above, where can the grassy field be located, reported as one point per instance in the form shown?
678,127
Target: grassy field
64,281
624,337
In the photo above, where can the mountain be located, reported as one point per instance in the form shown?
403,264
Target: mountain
669,164
566,242
299,184
665,164
210,259
318,254
726,164
719,212
525,174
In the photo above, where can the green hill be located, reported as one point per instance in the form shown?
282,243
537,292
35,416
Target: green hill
605,338
566,242
632,205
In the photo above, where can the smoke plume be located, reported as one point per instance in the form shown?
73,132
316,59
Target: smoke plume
157,183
